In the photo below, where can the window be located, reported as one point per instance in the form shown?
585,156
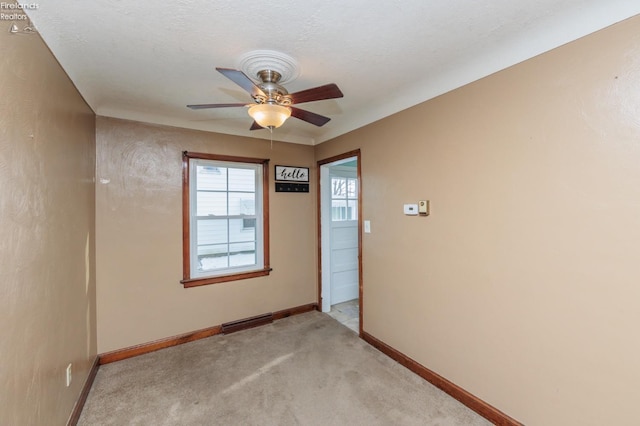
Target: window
344,198
225,218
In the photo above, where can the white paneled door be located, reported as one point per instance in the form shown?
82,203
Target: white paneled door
344,261
340,233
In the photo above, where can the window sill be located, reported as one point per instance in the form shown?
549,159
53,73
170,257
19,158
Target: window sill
196,282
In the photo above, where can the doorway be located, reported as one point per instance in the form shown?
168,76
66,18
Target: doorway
340,252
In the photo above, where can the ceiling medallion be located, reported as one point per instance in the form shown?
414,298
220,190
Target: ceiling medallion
252,63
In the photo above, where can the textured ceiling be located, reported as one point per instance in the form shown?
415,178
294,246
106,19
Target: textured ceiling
146,60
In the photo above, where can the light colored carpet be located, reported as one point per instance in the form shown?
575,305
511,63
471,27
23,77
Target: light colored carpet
303,370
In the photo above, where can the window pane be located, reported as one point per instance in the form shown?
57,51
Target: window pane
211,177
352,188
211,231
211,203
214,250
338,187
338,203
242,203
242,180
242,254
352,210
238,233
338,210
213,262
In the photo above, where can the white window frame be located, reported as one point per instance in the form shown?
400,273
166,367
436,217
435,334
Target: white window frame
192,274
348,174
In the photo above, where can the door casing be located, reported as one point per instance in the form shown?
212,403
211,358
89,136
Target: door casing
320,165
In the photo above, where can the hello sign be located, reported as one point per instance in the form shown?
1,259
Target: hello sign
292,174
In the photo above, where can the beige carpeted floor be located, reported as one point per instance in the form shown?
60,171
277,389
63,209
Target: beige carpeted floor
303,370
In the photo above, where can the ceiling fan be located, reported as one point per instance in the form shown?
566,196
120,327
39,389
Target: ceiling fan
273,104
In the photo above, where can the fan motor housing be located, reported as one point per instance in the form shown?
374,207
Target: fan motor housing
275,92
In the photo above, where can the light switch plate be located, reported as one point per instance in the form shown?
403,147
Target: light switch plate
411,209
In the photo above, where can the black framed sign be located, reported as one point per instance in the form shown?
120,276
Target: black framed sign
292,174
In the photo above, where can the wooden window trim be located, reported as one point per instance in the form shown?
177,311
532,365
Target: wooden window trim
187,281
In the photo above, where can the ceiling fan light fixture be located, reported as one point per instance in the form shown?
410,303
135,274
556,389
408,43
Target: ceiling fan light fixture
269,115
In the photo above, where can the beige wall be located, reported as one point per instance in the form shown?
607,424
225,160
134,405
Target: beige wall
523,284
139,236
47,278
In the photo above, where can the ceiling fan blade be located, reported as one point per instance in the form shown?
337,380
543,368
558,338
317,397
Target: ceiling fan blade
241,79
309,117
328,91
255,126
205,106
